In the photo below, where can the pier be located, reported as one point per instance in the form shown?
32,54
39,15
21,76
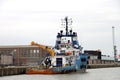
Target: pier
18,70
6,71
93,66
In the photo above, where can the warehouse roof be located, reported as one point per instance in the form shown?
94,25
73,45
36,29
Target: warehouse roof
19,46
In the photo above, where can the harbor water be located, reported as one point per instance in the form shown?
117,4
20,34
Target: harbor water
91,74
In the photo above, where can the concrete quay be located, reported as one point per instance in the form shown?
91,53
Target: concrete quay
6,71
92,66
17,70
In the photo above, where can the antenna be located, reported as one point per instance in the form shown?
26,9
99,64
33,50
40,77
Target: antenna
66,22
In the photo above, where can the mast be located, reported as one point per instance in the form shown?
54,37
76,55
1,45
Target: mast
66,25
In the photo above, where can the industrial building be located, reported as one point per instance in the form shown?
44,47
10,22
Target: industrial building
96,57
21,55
24,55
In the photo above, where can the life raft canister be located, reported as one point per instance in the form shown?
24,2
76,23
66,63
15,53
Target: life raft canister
68,53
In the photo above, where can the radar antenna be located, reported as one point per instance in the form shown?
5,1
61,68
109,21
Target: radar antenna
66,22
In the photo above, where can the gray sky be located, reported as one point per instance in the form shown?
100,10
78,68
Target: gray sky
23,21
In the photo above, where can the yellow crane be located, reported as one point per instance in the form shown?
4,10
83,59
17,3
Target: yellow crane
52,53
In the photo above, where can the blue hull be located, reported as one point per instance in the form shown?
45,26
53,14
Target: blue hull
81,64
65,69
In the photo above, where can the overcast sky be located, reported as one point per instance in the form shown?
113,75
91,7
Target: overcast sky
23,21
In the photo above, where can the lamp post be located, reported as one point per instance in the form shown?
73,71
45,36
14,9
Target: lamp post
114,45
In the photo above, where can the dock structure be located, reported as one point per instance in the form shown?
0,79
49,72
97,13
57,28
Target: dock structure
93,66
12,71
18,70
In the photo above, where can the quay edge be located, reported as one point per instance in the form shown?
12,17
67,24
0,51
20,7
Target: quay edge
18,70
93,66
7,71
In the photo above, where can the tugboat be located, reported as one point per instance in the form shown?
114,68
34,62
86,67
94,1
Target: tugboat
65,57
